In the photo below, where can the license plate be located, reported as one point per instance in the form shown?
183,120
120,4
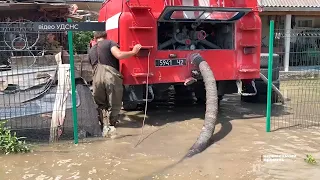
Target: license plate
170,62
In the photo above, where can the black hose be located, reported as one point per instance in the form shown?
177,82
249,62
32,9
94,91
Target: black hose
208,128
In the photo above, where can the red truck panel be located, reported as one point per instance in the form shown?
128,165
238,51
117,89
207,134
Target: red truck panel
129,24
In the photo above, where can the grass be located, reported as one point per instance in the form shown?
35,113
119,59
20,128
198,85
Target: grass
310,159
10,143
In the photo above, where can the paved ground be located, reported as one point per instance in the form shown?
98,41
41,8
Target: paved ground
240,141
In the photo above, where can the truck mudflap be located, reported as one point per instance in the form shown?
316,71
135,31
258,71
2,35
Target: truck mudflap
199,13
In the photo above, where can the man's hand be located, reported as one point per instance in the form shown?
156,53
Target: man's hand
125,54
136,48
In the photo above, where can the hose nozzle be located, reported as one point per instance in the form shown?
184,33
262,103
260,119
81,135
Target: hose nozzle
196,59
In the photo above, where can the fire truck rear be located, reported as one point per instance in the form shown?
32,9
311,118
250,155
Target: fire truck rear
226,33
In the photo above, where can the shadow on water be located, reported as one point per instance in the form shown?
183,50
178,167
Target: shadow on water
231,109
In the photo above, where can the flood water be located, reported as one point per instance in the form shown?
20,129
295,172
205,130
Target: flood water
240,141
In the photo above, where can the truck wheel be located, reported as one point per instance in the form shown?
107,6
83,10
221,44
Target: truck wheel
182,96
129,106
264,58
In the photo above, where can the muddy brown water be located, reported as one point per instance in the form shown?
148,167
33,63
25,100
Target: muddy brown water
240,141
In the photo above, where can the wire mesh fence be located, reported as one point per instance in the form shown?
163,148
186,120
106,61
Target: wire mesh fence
304,46
35,87
300,85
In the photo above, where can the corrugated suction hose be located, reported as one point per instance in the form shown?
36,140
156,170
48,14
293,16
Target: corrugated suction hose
211,113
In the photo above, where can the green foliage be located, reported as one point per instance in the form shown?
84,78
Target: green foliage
10,143
310,159
81,41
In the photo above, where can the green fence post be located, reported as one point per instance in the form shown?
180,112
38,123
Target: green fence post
73,87
270,64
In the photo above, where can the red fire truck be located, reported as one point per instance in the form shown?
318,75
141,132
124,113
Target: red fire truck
227,33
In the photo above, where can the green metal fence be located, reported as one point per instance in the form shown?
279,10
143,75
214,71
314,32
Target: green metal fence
270,65
300,84
73,87
43,95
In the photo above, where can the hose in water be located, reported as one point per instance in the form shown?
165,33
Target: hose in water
207,131
208,128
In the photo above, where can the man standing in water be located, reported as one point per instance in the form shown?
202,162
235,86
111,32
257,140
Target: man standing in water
104,57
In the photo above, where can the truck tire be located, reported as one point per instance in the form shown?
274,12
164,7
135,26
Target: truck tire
261,96
129,106
275,74
182,95
264,59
